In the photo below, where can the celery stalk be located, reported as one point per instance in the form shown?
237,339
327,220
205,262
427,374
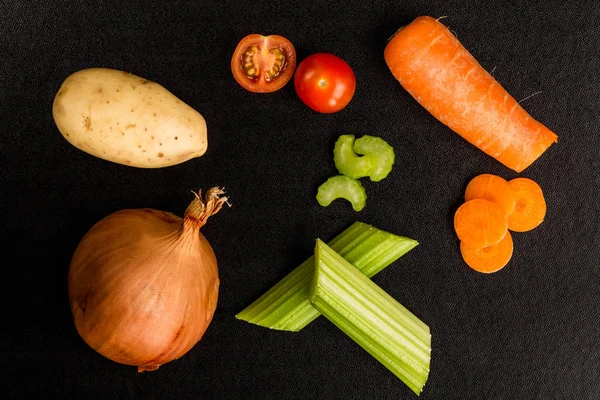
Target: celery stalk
371,317
286,305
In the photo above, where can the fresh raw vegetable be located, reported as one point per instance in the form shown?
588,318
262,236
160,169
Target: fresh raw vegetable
325,82
480,223
434,67
491,258
376,161
143,284
129,120
263,64
371,317
493,188
381,151
286,305
348,162
342,187
530,208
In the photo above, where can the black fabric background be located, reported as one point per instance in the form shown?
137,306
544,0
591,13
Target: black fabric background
531,331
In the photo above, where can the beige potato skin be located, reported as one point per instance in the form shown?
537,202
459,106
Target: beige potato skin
126,119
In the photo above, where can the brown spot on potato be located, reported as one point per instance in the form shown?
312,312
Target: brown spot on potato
122,133
175,137
145,129
59,109
161,155
129,126
152,137
99,90
61,92
139,146
107,101
154,114
87,122
144,82
160,144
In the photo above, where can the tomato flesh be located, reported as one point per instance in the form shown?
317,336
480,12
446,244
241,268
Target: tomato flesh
325,82
263,64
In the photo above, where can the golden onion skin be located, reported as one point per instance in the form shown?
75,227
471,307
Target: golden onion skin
143,286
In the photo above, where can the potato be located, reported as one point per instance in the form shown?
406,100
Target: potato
129,120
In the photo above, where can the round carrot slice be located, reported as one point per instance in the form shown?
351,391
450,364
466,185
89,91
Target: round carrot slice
480,223
488,259
493,188
530,207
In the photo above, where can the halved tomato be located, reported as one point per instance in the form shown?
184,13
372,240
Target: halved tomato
263,64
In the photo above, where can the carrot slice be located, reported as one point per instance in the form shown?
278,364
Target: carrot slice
530,207
480,223
493,188
436,69
488,259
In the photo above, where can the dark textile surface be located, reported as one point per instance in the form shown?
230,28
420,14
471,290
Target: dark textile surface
530,331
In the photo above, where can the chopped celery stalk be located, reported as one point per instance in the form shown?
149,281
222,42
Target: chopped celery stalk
348,162
378,149
286,306
342,187
371,317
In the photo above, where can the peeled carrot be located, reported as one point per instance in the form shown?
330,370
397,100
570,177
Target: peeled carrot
530,207
493,188
480,223
434,67
488,259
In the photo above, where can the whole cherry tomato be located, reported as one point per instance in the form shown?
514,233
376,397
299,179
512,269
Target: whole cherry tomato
263,64
325,82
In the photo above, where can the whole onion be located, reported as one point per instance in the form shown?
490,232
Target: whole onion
143,284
